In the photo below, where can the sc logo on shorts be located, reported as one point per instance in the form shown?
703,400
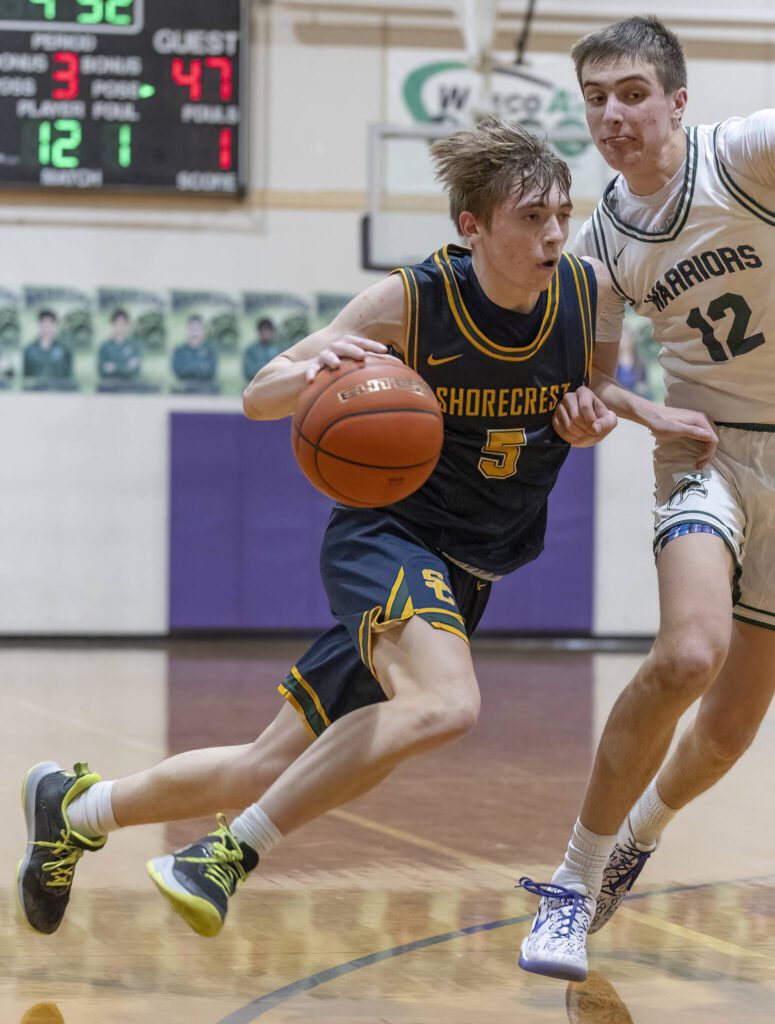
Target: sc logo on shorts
435,580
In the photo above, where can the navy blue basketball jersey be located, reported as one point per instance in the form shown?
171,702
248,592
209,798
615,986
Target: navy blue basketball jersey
498,377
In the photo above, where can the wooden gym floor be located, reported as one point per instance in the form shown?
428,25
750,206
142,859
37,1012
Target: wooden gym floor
399,909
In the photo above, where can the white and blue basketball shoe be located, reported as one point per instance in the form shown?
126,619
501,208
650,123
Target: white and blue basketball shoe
556,945
628,858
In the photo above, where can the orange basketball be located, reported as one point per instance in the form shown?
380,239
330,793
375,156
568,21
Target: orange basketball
368,433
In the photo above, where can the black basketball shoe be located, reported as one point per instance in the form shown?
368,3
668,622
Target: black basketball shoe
45,875
199,879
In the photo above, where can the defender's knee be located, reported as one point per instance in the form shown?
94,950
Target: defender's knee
683,671
724,738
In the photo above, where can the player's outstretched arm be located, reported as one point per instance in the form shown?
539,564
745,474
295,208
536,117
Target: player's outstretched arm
366,326
665,423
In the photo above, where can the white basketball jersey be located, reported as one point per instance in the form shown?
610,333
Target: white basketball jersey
704,278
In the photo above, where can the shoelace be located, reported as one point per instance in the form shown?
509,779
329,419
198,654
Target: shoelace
622,870
569,900
66,855
224,864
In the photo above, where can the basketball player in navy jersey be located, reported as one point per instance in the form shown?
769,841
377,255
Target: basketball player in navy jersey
504,335
687,229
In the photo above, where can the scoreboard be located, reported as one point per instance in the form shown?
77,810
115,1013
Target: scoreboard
127,95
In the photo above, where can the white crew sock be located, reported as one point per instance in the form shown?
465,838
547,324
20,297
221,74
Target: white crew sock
585,859
256,829
649,816
91,813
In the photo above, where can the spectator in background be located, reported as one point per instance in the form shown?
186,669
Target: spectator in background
119,359
195,361
6,369
262,350
630,371
47,362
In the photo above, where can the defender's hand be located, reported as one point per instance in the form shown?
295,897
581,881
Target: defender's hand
675,423
581,419
351,346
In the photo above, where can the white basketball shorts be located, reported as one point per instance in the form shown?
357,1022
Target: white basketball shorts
735,496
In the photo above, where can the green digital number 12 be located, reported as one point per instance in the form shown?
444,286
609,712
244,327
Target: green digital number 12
58,152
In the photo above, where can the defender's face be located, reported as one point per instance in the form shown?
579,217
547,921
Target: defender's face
630,117
525,240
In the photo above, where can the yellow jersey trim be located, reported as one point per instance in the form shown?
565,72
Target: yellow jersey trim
411,334
585,307
408,296
480,340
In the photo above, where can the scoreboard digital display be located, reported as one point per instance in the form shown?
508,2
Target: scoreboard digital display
123,95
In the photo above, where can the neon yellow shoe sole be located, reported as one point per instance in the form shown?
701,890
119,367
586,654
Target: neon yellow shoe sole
197,911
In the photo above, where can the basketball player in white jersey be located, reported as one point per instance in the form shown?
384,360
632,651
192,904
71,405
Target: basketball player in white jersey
687,231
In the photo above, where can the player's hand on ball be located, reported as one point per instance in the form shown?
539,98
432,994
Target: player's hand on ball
675,423
351,346
581,419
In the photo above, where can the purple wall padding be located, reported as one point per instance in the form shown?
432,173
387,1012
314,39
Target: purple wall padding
246,527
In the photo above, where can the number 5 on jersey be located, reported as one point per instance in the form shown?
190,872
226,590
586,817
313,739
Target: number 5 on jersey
501,453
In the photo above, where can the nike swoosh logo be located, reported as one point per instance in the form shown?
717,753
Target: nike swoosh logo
433,361
616,257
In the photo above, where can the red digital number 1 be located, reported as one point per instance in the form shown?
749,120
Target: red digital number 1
224,149
68,75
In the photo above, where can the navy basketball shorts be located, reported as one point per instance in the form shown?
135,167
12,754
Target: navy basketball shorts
377,574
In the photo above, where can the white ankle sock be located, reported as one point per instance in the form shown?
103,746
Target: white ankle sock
585,859
91,813
649,816
256,829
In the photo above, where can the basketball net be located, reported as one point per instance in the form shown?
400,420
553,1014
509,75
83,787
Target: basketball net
477,24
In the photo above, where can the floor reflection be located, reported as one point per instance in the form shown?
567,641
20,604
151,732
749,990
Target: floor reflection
43,1013
595,1001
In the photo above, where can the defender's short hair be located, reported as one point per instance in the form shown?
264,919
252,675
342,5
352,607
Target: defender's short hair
643,39
497,160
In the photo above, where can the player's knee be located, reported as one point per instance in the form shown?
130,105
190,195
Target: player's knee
463,714
444,717
683,671
724,737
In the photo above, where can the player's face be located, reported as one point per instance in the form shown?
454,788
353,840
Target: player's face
525,240
630,118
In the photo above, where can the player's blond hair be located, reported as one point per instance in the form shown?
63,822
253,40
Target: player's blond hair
497,160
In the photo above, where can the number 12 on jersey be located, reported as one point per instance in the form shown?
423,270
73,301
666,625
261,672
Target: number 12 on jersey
738,341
